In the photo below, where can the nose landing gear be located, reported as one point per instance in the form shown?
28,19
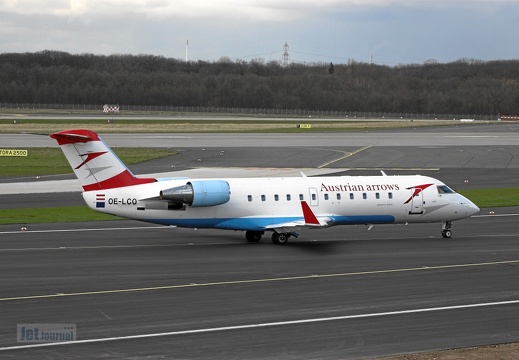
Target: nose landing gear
446,229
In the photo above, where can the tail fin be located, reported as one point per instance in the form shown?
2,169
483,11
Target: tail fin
94,163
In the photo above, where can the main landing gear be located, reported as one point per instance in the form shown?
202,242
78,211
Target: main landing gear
277,238
280,238
447,233
253,236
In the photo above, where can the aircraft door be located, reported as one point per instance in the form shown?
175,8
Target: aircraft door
314,197
417,204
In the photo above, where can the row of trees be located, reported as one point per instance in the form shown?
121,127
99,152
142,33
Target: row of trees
464,86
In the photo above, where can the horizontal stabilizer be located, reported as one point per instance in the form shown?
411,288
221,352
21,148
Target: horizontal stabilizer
75,136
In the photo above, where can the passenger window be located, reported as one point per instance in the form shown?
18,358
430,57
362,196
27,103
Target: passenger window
325,196
338,196
377,195
276,197
263,197
390,195
289,197
313,197
364,196
352,196
249,197
301,197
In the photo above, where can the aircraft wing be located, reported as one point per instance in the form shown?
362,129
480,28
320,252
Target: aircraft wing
309,220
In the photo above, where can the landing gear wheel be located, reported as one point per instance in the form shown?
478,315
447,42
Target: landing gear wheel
280,238
446,234
253,236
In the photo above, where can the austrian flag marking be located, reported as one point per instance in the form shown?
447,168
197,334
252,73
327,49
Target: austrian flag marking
100,200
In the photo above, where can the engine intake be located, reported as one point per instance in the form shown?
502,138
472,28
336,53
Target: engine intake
199,193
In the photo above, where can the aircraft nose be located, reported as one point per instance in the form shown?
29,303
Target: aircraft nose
472,208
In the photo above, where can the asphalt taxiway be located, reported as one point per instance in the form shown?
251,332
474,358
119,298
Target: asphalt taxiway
135,290
142,291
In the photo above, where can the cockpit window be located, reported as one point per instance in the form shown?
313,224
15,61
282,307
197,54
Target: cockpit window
444,189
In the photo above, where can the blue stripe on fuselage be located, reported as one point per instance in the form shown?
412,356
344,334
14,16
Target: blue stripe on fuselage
261,223
363,219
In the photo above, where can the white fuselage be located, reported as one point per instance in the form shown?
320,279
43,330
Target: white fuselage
257,204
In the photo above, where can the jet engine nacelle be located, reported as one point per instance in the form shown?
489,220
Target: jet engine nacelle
199,193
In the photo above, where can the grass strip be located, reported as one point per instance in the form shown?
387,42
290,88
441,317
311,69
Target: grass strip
497,197
212,126
51,161
52,214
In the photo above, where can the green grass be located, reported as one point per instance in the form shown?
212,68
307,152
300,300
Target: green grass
497,197
51,161
50,215
207,125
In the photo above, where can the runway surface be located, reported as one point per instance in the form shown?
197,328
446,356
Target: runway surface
140,291
337,293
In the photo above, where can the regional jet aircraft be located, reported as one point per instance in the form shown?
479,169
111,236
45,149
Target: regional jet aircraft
282,206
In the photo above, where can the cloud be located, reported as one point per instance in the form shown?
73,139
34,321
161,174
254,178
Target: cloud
263,10
393,31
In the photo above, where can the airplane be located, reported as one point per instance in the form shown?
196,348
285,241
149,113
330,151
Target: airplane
281,205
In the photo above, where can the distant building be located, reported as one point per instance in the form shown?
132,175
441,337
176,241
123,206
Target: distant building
111,109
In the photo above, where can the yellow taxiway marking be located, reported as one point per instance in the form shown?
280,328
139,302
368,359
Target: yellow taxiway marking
346,155
252,281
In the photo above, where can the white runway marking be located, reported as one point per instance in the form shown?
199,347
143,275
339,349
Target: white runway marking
255,281
264,325
473,136
494,215
81,230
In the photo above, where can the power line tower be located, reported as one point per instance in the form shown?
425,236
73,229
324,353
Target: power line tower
285,54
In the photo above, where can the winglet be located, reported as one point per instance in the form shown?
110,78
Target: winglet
308,214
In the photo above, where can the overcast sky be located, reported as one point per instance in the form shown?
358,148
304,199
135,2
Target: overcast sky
392,31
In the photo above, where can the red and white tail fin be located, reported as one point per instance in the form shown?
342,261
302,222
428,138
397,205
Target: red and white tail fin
94,163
